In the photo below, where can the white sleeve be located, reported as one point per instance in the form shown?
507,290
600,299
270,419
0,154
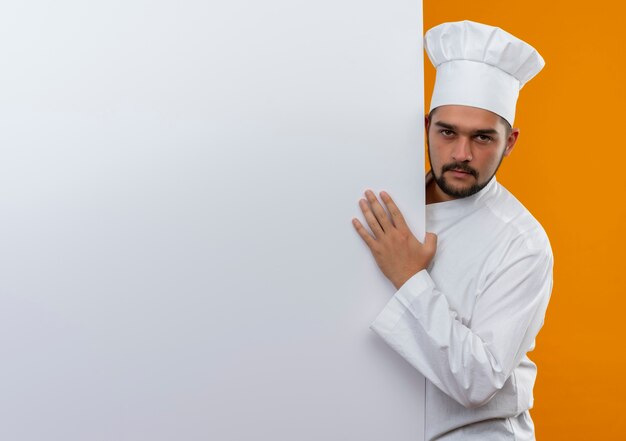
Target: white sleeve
471,364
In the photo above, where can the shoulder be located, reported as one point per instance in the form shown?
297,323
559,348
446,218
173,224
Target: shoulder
518,223
520,249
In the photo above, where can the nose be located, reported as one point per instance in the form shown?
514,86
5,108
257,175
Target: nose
462,150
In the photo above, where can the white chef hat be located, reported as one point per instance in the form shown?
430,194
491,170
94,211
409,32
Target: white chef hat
479,66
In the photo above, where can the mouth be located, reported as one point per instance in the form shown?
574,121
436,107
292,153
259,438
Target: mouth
457,173
459,170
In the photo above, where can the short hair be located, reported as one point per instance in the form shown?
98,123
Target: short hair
507,126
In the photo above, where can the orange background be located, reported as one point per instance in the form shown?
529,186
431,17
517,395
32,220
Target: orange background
566,169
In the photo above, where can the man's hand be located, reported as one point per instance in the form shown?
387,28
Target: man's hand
397,252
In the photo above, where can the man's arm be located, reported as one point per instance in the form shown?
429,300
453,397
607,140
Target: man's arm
469,364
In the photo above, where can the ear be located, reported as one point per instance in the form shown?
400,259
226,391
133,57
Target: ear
510,141
426,122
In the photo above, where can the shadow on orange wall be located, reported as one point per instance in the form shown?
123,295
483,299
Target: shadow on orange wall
566,170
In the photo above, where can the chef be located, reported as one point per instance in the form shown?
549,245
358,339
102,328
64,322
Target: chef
472,296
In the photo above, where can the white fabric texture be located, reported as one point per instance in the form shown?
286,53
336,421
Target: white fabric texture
467,322
480,66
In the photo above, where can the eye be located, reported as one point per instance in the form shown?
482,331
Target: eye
446,133
484,138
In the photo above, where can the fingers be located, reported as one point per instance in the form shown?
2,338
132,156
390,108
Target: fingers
379,211
369,240
396,216
371,219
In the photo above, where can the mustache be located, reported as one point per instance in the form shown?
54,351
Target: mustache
462,166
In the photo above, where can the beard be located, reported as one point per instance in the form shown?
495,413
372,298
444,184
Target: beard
458,193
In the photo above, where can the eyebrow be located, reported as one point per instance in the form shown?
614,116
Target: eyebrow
475,132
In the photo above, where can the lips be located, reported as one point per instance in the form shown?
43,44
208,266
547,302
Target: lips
459,170
459,174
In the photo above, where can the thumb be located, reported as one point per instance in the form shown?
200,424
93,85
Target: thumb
430,243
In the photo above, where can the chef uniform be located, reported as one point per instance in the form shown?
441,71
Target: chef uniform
469,319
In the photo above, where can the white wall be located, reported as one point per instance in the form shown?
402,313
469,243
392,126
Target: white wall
177,180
